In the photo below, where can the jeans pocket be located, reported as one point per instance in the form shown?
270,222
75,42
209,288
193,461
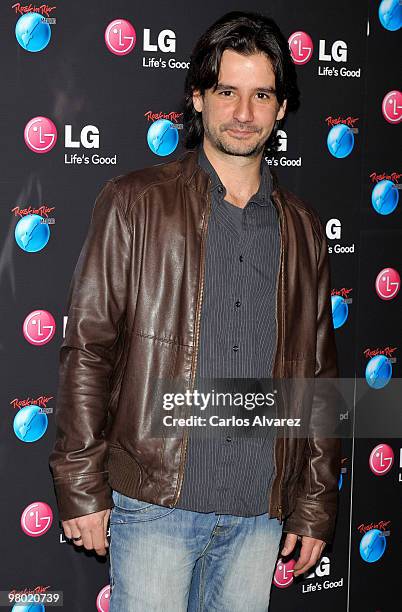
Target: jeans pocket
131,510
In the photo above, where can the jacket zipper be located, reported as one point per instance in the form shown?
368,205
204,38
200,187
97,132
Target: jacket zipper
280,272
197,326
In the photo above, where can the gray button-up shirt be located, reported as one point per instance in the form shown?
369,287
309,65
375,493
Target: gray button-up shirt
231,474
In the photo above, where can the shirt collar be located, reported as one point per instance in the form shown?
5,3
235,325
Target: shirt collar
262,197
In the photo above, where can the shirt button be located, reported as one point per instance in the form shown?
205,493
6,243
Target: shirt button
228,439
237,304
240,257
235,348
220,188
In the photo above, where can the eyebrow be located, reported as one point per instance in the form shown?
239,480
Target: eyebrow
222,86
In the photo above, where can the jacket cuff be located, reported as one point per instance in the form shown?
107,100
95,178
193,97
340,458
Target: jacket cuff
82,494
313,519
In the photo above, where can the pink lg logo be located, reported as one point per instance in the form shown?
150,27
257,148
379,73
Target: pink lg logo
387,283
283,576
381,459
39,327
103,599
40,135
120,37
392,107
301,47
36,519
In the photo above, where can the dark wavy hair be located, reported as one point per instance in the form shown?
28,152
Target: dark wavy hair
246,33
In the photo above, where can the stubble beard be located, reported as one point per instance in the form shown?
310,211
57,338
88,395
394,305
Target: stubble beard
253,150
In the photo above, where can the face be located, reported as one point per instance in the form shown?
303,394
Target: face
239,115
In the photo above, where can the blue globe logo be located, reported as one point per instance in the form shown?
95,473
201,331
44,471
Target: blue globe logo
162,137
340,310
32,33
30,424
372,545
385,197
31,234
378,372
340,140
390,14
32,607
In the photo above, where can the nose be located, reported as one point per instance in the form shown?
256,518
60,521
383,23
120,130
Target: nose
243,111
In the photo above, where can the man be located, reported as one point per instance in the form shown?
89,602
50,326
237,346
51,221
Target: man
194,268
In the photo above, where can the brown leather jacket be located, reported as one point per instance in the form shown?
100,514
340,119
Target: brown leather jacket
134,315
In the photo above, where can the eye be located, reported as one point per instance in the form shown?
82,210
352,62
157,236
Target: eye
226,94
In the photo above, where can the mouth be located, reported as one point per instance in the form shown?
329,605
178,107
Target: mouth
242,133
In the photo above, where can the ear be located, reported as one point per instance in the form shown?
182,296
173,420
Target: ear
282,110
197,100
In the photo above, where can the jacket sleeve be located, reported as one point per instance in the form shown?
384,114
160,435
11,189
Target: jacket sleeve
96,310
317,501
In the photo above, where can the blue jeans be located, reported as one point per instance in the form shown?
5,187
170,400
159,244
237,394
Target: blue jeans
173,560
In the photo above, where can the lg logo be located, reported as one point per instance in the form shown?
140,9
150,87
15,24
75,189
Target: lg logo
121,37
283,140
301,49
166,41
89,137
392,107
40,136
339,52
322,569
333,229
381,459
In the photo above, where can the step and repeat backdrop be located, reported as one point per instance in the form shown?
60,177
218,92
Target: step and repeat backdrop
94,89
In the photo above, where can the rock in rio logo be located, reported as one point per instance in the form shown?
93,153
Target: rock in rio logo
301,47
387,283
392,107
36,519
381,459
39,327
120,37
40,135
373,543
